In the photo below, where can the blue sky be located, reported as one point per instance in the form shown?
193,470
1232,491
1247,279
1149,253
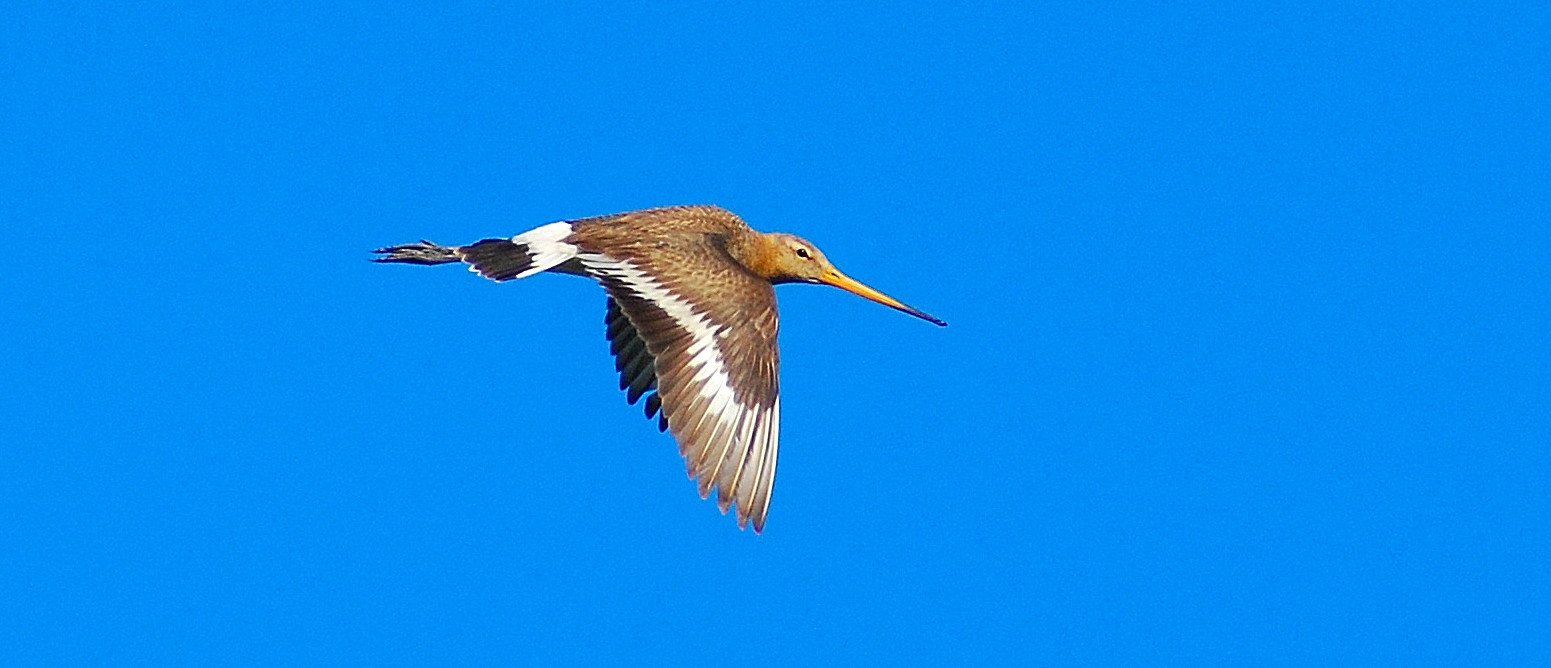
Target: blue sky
1247,362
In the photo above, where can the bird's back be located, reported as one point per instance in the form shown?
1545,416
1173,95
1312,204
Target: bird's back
654,225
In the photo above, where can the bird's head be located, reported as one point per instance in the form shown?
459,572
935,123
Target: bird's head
788,258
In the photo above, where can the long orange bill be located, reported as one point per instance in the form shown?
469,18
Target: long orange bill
851,285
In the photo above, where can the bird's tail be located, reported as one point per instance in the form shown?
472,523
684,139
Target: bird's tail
423,252
498,259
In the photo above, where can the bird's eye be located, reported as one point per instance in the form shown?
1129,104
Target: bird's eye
803,253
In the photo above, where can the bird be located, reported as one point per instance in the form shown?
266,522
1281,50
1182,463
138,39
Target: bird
691,322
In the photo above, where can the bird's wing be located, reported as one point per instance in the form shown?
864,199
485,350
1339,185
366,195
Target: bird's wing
637,371
675,327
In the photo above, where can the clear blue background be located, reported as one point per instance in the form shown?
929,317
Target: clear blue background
1247,364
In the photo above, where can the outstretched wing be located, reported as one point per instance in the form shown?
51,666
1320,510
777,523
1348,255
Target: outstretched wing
701,332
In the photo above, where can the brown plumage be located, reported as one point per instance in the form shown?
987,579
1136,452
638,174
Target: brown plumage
691,322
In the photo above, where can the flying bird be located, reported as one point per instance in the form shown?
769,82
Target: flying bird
691,323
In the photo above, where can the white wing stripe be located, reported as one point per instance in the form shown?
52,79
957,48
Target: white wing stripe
710,369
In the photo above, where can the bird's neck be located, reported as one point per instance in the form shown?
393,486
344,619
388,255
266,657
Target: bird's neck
757,252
